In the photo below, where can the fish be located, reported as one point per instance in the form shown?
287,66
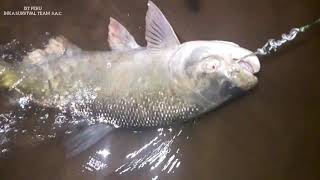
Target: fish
165,83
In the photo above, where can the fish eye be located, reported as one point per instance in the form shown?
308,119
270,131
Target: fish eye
211,64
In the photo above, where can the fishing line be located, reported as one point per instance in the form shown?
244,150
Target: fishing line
272,45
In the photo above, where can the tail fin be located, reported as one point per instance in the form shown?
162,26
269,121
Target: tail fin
3,71
10,54
14,52
2,68
8,77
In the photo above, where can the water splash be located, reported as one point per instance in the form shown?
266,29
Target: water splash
33,123
7,122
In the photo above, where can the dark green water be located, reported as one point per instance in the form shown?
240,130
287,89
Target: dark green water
271,133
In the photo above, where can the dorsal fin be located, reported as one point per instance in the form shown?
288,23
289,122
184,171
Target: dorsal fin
119,38
159,33
55,48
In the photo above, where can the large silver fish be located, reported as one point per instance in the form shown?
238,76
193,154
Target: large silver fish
132,86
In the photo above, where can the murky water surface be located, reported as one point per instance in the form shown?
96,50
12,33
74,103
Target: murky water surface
271,133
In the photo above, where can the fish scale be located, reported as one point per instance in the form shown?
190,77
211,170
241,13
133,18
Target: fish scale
138,111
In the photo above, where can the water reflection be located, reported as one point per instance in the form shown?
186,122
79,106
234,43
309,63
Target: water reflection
159,153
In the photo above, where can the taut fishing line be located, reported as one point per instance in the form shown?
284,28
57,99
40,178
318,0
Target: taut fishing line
273,45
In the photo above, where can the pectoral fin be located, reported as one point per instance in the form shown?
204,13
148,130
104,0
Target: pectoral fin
119,37
159,33
86,138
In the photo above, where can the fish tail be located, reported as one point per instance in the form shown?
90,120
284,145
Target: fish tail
11,54
8,77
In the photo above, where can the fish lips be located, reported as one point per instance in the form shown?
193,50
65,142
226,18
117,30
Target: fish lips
251,64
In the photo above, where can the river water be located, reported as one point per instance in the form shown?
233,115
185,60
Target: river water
272,132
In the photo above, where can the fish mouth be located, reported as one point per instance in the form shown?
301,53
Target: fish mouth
244,78
249,63
246,66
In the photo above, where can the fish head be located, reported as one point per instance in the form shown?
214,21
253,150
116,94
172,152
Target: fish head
214,70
